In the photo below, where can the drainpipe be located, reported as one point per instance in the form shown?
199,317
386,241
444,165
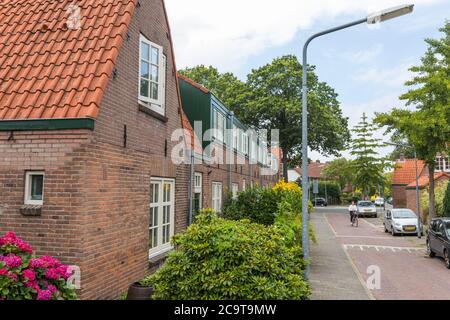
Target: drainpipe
190,187
230,152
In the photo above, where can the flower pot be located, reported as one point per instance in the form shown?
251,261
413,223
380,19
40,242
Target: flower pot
139,292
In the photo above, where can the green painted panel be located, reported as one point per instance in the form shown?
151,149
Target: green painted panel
46,124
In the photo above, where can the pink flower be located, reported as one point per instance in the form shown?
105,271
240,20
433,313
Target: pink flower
11,239
52,274
51,288
12,261
12,276
63,271
33,285
44,295
29,274
36,263
3,272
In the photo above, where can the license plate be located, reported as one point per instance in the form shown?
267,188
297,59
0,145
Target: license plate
410,228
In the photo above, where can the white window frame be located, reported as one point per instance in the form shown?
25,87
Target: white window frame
161,247
244,185
235,190
443,164
27,198
220,125
217,196
198,182
245,144
157,105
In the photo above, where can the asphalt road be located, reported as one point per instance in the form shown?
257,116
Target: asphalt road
385,267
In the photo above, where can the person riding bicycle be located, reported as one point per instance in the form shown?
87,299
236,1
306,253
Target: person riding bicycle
352,210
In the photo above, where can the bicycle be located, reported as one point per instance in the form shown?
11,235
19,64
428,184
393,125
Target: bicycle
355,220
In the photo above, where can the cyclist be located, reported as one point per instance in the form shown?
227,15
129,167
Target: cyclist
352,210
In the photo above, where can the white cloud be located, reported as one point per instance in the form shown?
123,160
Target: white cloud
365,56
229,33
392,77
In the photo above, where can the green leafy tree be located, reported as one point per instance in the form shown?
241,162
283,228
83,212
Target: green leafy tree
271,99
428,127
403,148
341,171
367,166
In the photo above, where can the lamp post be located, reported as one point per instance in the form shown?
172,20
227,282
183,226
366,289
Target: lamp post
419,223
371,19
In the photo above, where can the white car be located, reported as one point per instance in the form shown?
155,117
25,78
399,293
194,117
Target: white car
401,221
379,202
366,209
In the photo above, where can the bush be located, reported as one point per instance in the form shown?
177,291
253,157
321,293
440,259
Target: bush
25,278
259,205
446,206
440,190
218,259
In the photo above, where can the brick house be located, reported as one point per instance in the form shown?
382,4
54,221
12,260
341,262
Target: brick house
250,155
404,180
315,171
88,102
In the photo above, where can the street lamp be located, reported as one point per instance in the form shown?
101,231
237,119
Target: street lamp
371,19
419,223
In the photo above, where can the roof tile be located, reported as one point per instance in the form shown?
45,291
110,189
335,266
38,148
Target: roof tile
405,171
50,70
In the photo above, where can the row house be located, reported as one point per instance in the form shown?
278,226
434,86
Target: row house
229,156
404,180
89,103
89,100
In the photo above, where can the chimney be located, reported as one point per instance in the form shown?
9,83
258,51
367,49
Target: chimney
402,157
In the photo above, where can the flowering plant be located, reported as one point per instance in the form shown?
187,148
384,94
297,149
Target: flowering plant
23,277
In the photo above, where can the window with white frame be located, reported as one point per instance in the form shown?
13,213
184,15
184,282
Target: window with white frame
235,190
162,215
235,137
254,150
245,144
152,75
220,125
34,188
443,164
217,196
244,185
198,192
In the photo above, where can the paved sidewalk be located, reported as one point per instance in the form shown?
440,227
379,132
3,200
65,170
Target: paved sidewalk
333,276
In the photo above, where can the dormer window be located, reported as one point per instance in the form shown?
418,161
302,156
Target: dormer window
152,76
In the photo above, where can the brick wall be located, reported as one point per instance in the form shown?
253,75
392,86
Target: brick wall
399,196
61,154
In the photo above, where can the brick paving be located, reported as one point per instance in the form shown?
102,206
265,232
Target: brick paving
332,274
405,271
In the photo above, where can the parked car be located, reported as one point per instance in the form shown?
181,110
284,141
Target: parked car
366,209
390,200
379,202
401,221
438,239
320,202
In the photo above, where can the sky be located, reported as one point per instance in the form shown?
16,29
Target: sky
366,65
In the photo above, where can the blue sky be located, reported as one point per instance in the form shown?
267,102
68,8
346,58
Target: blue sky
367,66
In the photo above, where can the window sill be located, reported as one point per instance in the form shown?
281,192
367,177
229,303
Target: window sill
145,109
158,257
30,210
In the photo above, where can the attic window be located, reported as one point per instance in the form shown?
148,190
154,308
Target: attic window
152,75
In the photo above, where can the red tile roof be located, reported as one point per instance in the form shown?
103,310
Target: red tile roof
314,170
405,171
50,70
193,83
190,135
425,181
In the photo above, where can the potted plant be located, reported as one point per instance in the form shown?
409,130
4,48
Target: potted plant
141,290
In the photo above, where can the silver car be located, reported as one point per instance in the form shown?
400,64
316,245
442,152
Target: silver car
366,209
401,221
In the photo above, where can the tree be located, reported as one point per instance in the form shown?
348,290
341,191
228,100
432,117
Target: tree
403,148
428,127
367,167
339,170
271,99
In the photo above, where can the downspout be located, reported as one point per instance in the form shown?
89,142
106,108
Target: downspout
190,187
230,152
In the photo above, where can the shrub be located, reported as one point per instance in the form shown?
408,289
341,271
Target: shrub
258,204
439,191
446,206
219,259
23,277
